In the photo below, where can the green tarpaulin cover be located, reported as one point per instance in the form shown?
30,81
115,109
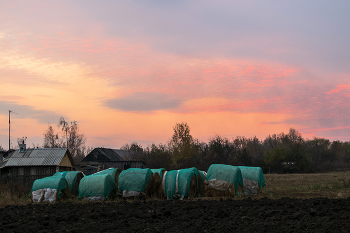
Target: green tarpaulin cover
60,174
183,177
101,185
134,179
195,170
227,173
109,171
71,178
253,173
159,171
53,182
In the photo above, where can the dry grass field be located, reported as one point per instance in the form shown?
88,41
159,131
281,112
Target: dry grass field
331,185
13,194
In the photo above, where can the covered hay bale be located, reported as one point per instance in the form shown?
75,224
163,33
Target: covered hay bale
229,192
135,182
151,187
202,175
180,184
114,172
160,172
73,179
158,188
49,189
200,180
253,180
99,187
223,180
158,179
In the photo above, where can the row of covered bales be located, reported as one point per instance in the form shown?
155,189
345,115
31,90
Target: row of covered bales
219,181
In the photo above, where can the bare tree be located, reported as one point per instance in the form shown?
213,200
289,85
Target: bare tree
51,139
65,128
135,151
75,140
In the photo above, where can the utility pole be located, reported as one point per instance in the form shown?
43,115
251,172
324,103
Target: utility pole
10,127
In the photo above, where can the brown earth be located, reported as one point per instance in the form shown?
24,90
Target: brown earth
246,215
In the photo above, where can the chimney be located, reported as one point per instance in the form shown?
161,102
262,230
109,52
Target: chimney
22,148
21,143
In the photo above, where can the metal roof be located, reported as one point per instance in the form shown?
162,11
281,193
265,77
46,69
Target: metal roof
36,157
122,153
111,154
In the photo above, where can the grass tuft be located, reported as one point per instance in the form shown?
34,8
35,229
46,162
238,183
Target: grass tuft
13,194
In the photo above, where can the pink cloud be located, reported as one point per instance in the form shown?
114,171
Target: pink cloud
339,88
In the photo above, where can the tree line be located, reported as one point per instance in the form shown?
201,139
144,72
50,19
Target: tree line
277,153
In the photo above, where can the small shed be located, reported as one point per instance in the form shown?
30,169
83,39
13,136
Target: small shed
27,165
104,158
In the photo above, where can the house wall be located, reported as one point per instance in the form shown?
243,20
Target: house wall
65,162
27,175
32,171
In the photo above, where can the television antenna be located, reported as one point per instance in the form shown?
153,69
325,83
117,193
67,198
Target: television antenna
10,111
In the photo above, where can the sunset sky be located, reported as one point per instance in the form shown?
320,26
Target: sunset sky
128,71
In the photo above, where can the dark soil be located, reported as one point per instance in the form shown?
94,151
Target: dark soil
264,215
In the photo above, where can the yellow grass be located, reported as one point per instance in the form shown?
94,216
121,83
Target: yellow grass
13,194
330,185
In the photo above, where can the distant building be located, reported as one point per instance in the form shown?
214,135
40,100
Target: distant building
27,165
102,158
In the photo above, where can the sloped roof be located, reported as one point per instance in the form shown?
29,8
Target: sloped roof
112,154
122,153
36,157
8,153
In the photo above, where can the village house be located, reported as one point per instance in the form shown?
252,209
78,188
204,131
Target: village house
103,158
27,165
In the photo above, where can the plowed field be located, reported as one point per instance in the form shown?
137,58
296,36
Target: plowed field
247,215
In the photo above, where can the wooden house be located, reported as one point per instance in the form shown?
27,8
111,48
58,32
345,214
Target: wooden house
27,165
103,158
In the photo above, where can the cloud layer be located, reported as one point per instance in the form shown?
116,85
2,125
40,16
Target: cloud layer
107,63
143,101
